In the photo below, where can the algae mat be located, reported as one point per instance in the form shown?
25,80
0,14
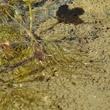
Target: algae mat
75,75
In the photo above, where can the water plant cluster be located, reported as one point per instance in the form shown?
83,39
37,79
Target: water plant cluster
24,58
22,54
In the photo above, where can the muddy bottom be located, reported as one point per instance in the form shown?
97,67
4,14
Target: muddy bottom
74,74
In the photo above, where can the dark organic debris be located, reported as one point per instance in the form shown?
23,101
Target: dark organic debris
66,15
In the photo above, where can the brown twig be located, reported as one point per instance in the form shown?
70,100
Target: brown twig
38,54
17,65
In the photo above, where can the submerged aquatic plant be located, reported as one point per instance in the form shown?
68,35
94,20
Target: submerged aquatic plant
33,51
31,15
38,53
29,32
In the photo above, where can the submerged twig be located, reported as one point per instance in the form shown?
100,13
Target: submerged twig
37,55
17,65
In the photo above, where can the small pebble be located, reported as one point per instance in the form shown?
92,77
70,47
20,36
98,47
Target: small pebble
20,85
90,50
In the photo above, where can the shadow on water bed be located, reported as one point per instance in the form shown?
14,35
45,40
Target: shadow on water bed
64,14
73,73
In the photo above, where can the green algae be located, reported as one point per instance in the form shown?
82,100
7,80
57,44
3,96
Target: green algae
57,62
59,59
19,98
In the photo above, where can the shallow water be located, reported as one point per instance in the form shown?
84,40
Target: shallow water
74,73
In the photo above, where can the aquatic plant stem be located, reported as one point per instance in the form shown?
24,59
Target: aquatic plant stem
13,8
27,31
18,64
30,11
31,15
